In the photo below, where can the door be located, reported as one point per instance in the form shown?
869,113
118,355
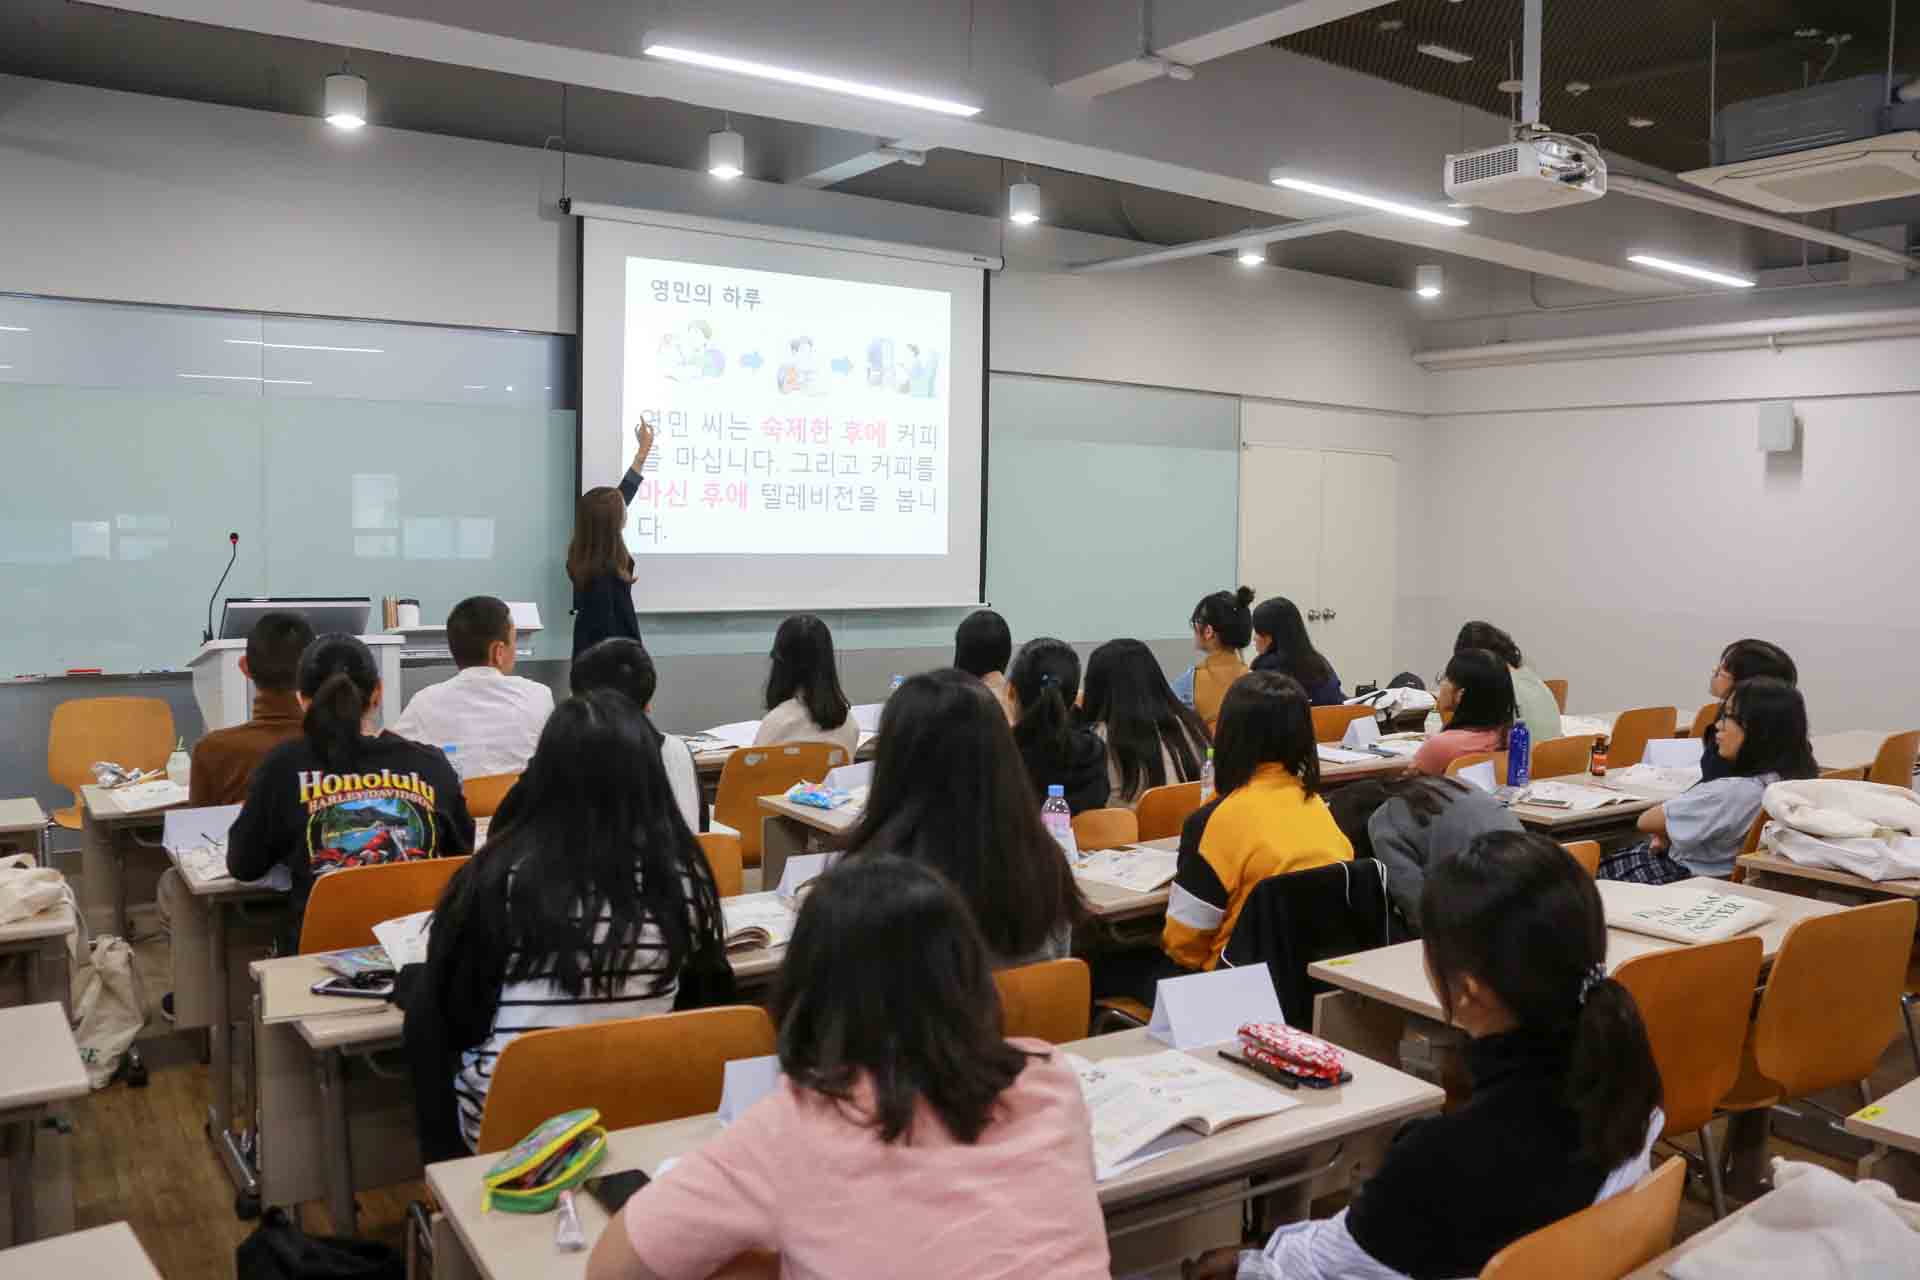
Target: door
1357,567
1280,524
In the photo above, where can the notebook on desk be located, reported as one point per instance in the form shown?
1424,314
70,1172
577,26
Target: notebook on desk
1145,1107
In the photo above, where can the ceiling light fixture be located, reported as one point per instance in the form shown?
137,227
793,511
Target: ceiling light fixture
808,80
303,346
1253,254
14,328
1640,122
1390,24
1513,86
726,155
1688,269
1428,280
346,98
1577,88
1023,203
1372,202
1443,53
246,377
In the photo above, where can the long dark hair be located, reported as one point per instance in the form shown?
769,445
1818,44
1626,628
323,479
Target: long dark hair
888,978
1229,614
1484,635
1128,693
803,668
1266,718
1279,619
949,790
1515,912
1745,659
338,678
599,542
1773,716
1046,679
594,832
1486,690
1425,795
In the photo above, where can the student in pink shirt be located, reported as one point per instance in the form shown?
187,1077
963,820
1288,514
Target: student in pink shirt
906,1135
1477,691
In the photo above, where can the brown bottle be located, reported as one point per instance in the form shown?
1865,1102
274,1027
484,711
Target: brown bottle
1600,757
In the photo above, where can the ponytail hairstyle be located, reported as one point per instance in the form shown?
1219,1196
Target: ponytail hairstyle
1516,913
1486,690
1046,680
338,678
1773,716
1230,614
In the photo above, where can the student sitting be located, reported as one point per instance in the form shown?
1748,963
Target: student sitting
1761,739
485,718
1410,824
1566,1096
1533,701
1269,818
904,1136
982,647
1477,692
587,905
626,667
804,702
1281,637
1222,627
1741,660
1152,738
950,791
343,794
1058,752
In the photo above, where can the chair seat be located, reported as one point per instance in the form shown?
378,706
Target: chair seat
1126,1007
69,817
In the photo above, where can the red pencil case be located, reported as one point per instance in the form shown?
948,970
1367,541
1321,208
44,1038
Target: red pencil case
1279,1045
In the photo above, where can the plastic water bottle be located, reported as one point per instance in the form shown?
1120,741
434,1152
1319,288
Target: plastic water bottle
894,688
1432,724
179,764
1519,751
1206,779
1058,820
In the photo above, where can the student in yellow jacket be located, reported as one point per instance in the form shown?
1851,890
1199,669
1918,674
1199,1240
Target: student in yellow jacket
1267,821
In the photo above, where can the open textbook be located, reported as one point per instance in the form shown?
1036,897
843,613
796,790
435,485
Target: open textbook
1574,797
1679,914
1145,1107
757,920
1141,870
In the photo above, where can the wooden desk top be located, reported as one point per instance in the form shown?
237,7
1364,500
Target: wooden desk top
1379,768
1775,865
55,922
20,817
834,822
103,807
42,1062
109,1251
224,887
1894,1119
1111,903
1397,975
505,1245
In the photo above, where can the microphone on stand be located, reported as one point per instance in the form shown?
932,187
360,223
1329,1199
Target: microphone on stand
233,538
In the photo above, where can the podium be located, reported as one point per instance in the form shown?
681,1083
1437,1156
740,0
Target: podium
225,695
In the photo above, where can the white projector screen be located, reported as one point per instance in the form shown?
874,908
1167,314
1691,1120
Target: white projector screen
818,413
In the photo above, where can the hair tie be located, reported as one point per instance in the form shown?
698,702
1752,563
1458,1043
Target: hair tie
1593,978
1047,680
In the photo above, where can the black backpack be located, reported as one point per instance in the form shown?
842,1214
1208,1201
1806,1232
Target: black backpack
279,1250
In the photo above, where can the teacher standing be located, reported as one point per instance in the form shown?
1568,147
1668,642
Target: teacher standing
598,561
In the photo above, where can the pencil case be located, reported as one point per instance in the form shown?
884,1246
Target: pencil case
1292,1051
555,1157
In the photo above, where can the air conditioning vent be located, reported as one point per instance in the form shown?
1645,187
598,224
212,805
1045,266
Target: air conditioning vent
1848,173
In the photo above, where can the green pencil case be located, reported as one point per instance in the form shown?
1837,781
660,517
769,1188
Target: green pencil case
555,1157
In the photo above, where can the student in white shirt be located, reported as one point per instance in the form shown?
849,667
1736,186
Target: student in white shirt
486,719
804,702
626,667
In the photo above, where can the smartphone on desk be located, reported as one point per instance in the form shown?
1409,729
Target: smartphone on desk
364,986
612,1189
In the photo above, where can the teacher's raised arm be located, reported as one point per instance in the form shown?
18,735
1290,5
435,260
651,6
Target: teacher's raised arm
598,562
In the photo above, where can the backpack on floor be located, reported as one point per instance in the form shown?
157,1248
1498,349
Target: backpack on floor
279,1250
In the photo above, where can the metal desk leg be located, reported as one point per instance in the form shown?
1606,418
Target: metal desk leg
338,1139
21,1127
117,851
220,1128
1748,1172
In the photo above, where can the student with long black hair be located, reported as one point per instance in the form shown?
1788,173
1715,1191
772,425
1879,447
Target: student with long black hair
1477,693
1761,738
905,1136
1566,1096
1222,626
1058,750
1280,634
598,563
1741,660
1153,739
591,900
804,702
344,794
950,791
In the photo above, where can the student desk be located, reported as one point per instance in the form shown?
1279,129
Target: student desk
1776,872
41,1066
106,832
107,1253
788,830
23,826
505,1246
42,939
1894,1119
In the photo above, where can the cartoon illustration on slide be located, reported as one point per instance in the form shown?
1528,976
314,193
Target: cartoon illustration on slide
361,833
800,374
905,368
923,372
690,355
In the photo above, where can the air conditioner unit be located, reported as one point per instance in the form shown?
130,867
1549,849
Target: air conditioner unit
1823,147
1547,171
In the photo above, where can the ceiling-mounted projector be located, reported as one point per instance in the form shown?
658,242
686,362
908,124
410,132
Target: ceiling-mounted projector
1541,171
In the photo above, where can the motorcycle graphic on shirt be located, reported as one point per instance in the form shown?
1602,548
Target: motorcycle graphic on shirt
363,820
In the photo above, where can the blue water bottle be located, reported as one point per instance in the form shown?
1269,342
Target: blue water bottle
1519,749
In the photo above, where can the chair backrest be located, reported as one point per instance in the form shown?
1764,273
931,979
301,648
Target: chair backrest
634,1070
1164,810
1703,720
346,904
1558,688
484,794
1697,1003
1832,1003
1633,730
752,772
723,856
1459,764
1561,757
1604,1242
1586,853
1893,765
135,732
1291,920
1105,828
1330,723
1048,1001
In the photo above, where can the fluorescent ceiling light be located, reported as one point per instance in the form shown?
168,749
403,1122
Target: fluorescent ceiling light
1443,53
809,80
14,328
472,387
303,346
1371,202
1688,269
247,377
1253,255
1023,203
346,96
1428,280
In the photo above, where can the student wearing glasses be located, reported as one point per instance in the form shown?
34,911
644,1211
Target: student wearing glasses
1741,660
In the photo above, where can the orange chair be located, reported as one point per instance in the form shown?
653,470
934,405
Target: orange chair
1633,730
1696,1002
1558,688
1586,853
346,904
1164,810
1472,758
1703,720
485,794
134,732
1893,765
1561,757
752,772
1605,1242
1105,829
1330,723
1046,1001
723,856
634,1070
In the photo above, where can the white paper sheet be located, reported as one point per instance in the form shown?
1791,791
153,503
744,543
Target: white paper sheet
1673,753
405,938
740,734
1139,870
1340,755
867,716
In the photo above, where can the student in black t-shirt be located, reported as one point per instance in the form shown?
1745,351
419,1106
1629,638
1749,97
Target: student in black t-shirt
344,794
